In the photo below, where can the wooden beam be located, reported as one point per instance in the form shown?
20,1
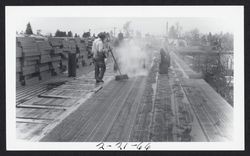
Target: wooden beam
56,96
31,120
39,107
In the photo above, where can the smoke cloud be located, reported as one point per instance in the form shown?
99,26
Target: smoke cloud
132,57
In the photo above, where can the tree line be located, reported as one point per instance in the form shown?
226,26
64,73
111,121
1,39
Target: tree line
58,32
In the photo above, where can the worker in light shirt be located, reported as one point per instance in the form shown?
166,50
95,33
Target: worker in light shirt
99,54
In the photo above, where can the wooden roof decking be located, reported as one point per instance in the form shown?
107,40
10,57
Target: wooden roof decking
156,107
214,114
38,114
25,93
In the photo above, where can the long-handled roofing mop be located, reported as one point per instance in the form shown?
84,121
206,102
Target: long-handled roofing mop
121,76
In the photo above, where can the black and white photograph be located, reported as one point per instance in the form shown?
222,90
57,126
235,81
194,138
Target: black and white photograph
125,77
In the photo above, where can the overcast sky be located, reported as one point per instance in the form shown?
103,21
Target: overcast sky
150,25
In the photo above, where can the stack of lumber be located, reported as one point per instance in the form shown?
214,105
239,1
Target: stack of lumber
45,60
89,48
57,53
68,47
56,64
39,59
83,53
39,39
55,42
29,60
18,65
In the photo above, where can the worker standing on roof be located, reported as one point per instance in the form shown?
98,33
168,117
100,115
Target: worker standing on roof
116,45
165,58
99,55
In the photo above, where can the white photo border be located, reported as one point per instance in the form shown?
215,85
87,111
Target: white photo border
235,13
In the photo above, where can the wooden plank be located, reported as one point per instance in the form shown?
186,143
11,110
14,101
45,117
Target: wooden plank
18,69
18,52
18,84
43,67
103,127
31,81
31,53
44,46
162,124
46,104
187,127
39,107
55,102
30,62
96,122
216,98
45,58
56,58
38,113
25,39
122,126
82,121
30,50
71,87
183,66
31,120
56,96
141,129
31,58
22,99
55,41
57,51
27,131
200,107
72,90
32,90
45,75
29,69
219,110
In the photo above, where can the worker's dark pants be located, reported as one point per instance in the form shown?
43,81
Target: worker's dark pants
165,62
115,67
100,69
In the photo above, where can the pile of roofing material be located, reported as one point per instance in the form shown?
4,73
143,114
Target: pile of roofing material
67,47
49,64
56,44
58,56
82,58
35,61
29,60
18,65
64,46
89,43
40,59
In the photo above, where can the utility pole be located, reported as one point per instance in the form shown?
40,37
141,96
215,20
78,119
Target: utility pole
114,31
167,28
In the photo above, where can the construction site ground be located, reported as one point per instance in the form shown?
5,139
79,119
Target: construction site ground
173,107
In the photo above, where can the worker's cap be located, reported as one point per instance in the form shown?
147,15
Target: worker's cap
120,36
101,35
